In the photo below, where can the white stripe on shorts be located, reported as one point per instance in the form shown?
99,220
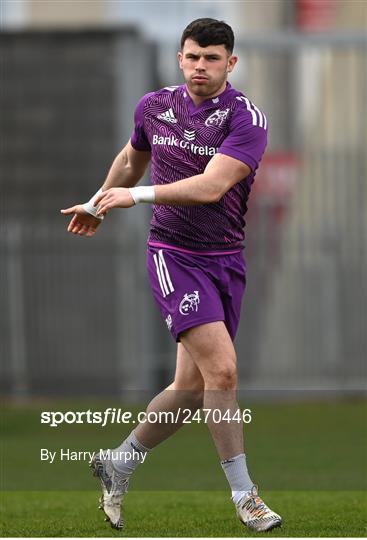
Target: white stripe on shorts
155,258
163,274
162,265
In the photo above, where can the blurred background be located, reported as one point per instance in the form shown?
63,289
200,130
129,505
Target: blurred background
77,316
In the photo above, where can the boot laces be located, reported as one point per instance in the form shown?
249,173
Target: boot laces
255,506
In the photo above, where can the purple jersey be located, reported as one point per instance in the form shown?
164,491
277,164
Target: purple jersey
183,138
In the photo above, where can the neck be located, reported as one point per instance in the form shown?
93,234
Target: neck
199,99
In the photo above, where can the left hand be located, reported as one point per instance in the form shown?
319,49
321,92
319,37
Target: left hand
113,198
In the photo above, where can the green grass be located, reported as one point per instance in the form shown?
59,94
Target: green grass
180,514
310,461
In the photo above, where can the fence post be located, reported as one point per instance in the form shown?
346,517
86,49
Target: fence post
15,282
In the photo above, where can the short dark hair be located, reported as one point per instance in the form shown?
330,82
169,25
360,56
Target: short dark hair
209,32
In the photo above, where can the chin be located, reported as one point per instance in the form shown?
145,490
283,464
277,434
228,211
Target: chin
200,90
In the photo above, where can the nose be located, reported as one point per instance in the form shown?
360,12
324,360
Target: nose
200,65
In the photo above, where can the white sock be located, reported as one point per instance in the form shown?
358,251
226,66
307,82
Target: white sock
235,469
129,455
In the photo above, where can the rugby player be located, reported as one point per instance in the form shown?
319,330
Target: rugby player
204,141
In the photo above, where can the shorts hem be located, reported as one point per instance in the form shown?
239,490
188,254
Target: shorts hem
184,327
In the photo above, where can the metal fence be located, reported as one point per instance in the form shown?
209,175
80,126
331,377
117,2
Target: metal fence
307,241
78,317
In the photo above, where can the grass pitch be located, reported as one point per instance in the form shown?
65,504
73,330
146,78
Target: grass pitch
182,514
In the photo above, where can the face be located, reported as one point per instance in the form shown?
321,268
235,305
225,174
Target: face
205,69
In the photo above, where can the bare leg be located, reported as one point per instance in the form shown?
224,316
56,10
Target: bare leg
186,392
211,348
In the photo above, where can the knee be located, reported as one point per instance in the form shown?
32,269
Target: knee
222,376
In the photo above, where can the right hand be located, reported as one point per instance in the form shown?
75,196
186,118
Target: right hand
82,222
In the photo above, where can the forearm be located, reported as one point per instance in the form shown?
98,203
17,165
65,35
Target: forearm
121,173
192,191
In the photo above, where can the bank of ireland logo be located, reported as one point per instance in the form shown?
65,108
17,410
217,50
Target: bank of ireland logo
217,118
189,135
190,302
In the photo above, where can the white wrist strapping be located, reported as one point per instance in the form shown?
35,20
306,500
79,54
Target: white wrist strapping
143,194
89,206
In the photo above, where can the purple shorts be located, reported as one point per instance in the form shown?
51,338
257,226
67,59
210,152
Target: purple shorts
193,289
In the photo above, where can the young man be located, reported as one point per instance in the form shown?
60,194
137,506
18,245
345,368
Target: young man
204,140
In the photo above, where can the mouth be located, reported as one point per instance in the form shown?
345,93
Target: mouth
199,79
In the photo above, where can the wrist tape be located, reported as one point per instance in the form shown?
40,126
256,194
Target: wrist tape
90,208
144,194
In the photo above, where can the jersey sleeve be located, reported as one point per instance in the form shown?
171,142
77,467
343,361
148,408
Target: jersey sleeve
247,138
139,140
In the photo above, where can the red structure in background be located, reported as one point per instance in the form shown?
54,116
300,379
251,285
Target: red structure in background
275,182
270,201
316,15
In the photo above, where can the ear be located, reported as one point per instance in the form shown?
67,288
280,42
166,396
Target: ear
232,61
179,58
